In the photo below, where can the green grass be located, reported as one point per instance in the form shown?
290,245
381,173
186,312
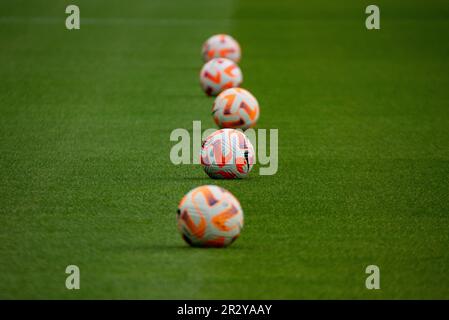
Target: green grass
85,176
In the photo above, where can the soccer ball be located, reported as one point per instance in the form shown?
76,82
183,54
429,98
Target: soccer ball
235,108
219,74
221,46
227,154
209,216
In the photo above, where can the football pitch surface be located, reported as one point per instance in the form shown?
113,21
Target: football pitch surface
86,179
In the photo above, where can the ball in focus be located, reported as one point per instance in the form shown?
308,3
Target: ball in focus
219,74
221,46
235,108
227,154
209,216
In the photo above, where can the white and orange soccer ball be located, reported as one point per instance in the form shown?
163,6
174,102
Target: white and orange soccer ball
227,154
209,216
221,46
235,108
219,74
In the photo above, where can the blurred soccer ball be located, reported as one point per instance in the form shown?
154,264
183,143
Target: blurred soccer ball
235,108
209,216
219,74
227,154
221,46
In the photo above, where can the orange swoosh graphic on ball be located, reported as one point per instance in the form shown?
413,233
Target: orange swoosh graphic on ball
220,219
225,52
214,79
197,230
220,159
229,101
227,85
228,70
208,195
211,53
219,242
252,113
